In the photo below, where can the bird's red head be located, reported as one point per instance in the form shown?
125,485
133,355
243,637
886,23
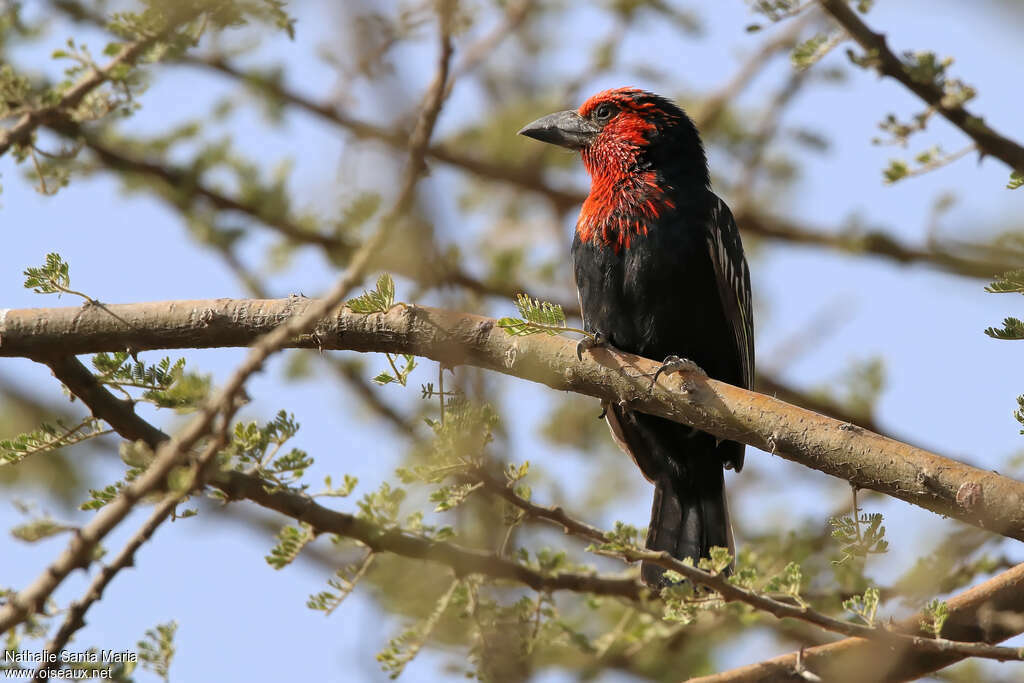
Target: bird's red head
643,154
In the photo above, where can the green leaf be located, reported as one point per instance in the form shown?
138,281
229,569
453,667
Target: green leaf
99,498
38,529
156,650
448,497
253,449
859,537
378,300
381,506
294,463
47,438
787,582
537,316
401,375
342,491
718,562
1013,328
808,52
404,648
343,583
51,278
934,616
897,170
1011,282
165,383
290,542
864,606
1016,180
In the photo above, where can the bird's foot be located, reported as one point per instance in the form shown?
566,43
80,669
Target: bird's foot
673,364
588,343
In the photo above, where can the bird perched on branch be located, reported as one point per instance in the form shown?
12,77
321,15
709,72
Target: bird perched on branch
660,271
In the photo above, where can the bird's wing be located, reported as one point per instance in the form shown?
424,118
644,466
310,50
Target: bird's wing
733,278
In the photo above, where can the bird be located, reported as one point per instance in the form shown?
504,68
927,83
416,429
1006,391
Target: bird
660,271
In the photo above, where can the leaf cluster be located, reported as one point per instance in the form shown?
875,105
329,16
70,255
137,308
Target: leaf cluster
380,299
537,317
165,383
48,437
859,536
53,277
256,448
156,650
290,542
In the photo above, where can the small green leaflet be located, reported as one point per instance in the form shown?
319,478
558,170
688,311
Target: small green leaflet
1013,328
537,316
379,300
1008,283
401,375
52,278
1016,180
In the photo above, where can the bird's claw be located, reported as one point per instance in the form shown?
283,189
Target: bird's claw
588,343
673,364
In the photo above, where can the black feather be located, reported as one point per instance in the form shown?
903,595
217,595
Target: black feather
682,288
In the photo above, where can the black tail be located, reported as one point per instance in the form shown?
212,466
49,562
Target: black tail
690,515
688,518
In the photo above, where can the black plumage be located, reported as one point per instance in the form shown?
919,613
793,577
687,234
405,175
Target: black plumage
660,271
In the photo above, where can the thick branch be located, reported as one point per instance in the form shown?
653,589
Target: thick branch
841,449
888,64
466,561
80,549
237,485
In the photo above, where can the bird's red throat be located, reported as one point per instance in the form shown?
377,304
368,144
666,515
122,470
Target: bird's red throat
623,202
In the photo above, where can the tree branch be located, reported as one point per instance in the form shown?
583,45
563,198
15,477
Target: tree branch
75,618
80,550
843,450
888,64
731,592
855,659
21,132
240,486
987,263
980,261
464,561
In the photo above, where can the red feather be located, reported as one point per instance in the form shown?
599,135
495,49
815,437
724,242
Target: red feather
622,202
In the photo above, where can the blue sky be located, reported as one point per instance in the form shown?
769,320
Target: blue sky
949,387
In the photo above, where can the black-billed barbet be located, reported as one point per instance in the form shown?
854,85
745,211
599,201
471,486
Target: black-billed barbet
661,273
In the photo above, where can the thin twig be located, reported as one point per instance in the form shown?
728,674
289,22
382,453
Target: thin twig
75,618
888,64
20,605
21,132
731,592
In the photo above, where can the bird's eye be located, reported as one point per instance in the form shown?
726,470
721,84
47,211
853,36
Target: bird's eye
604,112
